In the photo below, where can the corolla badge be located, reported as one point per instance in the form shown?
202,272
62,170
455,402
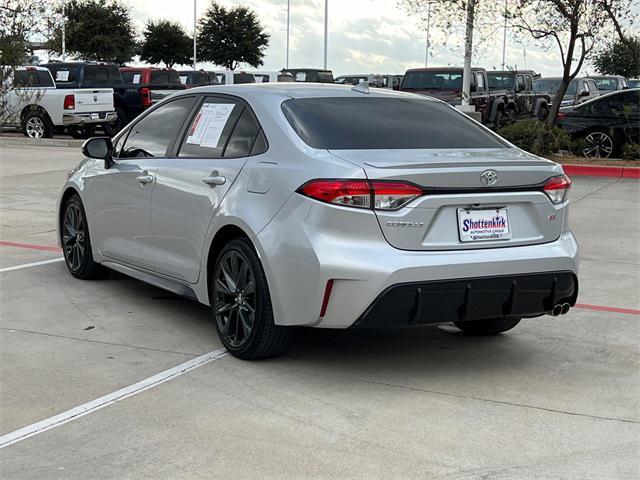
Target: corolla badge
489,177
395,223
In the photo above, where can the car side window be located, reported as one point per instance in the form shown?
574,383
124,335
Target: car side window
210,128
243,136
154,133
632,102
528,83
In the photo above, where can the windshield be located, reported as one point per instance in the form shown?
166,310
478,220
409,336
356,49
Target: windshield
551,85
370,123
501,81
608,84
432,80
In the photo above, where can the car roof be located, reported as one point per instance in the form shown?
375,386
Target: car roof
445,69
31,67
610,94
287,90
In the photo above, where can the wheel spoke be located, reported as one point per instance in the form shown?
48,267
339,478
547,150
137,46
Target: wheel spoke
249,288
231,285
222,288
226,307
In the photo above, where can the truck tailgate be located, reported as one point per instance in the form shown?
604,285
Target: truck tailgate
93,100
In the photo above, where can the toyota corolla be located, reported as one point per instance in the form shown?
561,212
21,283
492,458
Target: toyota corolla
327,206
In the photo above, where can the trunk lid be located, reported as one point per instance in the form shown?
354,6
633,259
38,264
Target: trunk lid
453,186
93,100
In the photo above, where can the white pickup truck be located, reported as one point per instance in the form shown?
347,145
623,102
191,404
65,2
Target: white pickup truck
34,105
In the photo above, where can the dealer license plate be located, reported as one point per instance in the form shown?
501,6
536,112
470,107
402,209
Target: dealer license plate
483,225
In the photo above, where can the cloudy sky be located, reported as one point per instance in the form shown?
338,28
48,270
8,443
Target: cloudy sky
365,36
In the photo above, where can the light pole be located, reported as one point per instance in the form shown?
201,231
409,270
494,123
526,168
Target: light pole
326,29
64,32
288,30
504,34
194,35
468,51
426,53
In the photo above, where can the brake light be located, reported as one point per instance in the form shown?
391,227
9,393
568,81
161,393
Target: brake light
370,194
557,188
69,102
561,116
146,97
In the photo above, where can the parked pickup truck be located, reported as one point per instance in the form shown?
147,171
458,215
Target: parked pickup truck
521,99
147,86
95,75
446,84
34,105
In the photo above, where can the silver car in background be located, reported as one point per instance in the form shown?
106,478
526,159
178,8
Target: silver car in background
326,206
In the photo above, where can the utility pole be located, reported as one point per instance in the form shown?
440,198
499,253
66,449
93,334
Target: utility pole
468,52
64,32
504,33
194,35
288,30
326,30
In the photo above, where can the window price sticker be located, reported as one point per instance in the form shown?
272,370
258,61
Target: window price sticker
209,124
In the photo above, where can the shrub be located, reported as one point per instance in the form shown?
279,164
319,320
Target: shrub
631,151
536,137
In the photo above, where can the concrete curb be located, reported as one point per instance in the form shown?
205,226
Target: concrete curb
39,142
601,171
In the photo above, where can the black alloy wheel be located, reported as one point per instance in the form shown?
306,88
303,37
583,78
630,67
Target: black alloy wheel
76,244
241,304
235,298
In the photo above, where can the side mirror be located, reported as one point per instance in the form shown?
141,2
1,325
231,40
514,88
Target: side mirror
100,148
584,93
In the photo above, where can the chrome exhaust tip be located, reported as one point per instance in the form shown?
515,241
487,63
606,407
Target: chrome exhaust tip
557,310
565,308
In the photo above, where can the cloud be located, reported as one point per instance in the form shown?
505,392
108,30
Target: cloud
365,36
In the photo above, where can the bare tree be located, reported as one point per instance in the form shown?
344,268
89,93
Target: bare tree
573,26
20,22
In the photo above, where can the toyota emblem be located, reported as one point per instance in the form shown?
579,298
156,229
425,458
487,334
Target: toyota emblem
489,177
95,98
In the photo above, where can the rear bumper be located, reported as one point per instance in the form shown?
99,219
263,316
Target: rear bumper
466,299
88,117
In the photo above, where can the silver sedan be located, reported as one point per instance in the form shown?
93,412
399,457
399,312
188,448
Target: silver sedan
285,205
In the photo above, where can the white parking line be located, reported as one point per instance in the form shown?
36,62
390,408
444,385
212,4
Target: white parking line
34,264
98,403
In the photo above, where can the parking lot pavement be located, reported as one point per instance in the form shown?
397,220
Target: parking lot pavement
554,398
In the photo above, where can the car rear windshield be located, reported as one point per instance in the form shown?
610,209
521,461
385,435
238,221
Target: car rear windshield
101,75
501,81
432,80
347,123
551,85
610,84
243,78
165,77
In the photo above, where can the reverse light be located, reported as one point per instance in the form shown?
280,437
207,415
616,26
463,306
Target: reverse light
369,194
557,188
69,102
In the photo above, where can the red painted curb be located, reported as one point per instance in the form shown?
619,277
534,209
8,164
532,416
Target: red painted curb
601,171
600,308
31,246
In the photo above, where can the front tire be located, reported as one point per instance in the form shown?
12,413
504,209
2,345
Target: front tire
76,243
491,326
241,304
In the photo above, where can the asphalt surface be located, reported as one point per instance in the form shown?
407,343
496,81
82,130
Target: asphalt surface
555,398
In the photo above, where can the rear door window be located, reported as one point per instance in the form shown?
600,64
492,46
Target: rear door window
44,79
210,128
352,123
65,74
25,79
154,133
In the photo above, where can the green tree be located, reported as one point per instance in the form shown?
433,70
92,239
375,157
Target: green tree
230,37
99,30
166,42
620,59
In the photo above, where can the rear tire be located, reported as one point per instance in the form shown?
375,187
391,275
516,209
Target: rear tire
491,326
111,129
36,124
76,243
241,304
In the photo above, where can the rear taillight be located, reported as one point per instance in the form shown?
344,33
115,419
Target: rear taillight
69,102
370,194
561,116
146,97
557,188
